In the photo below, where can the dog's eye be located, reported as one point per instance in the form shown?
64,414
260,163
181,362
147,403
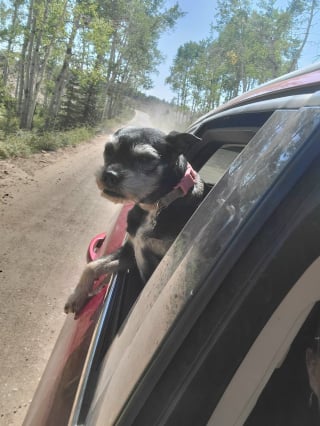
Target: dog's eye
146,158
147,163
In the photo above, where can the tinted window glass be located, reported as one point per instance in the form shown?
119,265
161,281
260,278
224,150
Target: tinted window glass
215,167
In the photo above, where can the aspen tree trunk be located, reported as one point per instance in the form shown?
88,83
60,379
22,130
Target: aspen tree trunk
294,62
35,66
14,22
32,65
28,36
62,78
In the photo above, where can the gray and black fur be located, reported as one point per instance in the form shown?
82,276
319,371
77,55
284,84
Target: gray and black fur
142,165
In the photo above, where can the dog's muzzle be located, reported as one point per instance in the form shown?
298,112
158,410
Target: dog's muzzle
108,182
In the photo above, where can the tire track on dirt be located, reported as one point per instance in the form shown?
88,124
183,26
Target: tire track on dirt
46,224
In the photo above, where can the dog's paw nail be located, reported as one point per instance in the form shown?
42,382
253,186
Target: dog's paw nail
67,308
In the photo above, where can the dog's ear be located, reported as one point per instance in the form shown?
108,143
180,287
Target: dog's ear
181,142
116,133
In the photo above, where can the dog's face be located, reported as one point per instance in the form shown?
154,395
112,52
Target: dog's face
136,162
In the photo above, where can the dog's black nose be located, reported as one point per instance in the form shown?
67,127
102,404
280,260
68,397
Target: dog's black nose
111,177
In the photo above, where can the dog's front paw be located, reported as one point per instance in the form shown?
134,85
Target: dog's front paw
81,294
76,302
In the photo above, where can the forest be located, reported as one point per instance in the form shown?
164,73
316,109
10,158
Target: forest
68,65
250,43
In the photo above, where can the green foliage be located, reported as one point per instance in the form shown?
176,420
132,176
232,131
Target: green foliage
51,141
14,146
73,62
186,77
8,120
251,42
24,143
112,124
133,54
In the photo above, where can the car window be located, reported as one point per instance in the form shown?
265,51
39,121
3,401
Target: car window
215,167
222,144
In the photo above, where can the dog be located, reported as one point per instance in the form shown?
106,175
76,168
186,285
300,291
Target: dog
147,167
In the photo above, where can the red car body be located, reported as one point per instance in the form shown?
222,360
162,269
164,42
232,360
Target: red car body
58,386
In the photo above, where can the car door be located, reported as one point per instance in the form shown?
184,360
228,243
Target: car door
219,284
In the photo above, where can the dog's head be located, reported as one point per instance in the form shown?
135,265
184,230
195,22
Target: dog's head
142,164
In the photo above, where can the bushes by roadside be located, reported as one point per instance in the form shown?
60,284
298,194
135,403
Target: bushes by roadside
23,144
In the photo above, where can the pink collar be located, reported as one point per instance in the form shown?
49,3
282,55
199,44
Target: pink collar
180,190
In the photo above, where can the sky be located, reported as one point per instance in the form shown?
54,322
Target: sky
195,26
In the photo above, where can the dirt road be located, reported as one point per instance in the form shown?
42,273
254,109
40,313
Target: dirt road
50,208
